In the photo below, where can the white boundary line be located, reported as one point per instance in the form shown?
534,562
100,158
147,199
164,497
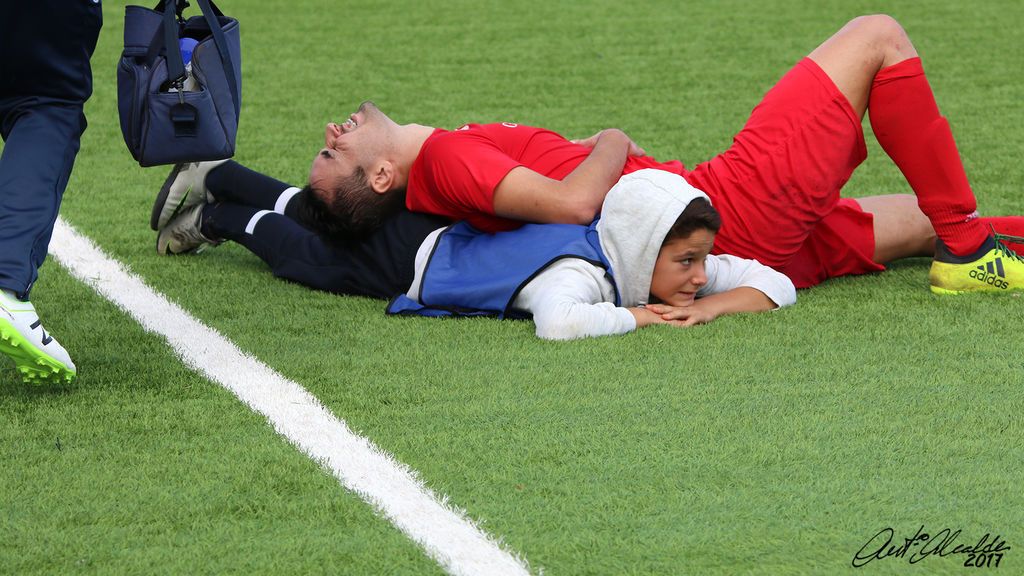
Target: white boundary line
447,535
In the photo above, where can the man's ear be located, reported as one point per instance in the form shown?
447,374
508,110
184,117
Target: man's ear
383,177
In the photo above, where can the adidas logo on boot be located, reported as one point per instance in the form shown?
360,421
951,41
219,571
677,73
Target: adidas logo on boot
991,273
992,268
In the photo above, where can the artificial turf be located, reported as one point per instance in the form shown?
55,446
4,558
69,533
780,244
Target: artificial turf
775,444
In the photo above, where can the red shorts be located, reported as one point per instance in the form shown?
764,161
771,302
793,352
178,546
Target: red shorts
777,186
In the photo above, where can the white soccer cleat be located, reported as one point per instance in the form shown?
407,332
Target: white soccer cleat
183,235
37,356
184,187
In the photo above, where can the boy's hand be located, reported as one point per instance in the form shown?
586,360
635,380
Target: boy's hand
645,316
634,149
691,315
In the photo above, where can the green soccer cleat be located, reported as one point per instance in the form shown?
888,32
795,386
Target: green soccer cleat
993,268
37,356
184,187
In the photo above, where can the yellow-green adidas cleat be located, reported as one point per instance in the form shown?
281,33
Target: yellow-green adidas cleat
37,356
993,268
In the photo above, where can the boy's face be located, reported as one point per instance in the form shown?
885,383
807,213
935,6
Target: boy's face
679,269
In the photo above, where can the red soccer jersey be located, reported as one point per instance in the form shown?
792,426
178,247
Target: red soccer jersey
457,171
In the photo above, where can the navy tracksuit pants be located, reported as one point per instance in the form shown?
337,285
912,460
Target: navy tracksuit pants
380,265
45,79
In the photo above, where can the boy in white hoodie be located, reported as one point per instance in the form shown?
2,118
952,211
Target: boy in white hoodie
645,261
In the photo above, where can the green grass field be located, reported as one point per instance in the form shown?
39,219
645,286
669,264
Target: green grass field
768,444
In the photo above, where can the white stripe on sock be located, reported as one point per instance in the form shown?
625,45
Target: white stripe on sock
255,219
391,487
284,199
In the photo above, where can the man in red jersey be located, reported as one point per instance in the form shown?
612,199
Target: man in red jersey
777,187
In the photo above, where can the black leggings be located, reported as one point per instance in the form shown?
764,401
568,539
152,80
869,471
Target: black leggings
380,265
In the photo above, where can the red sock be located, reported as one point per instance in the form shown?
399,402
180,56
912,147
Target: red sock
1008,226
907,123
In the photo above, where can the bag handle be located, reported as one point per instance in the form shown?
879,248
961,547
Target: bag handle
175,65
182,4
210,11
156,45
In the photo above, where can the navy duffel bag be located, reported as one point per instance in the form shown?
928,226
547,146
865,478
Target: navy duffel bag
170,113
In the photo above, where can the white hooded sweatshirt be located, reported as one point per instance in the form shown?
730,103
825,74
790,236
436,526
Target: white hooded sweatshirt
574,299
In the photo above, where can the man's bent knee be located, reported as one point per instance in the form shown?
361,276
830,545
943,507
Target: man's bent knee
884,34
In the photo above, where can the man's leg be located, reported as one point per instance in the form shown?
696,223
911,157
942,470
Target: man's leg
1008,229
379,266
873,63
40,150
260,213
41,143
233,182
903,231
45,46
191,192
861,236
782,175
194,183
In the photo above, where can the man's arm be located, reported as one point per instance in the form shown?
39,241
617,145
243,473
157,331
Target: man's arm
527,195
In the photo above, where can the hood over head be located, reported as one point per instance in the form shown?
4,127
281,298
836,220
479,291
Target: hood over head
637,214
